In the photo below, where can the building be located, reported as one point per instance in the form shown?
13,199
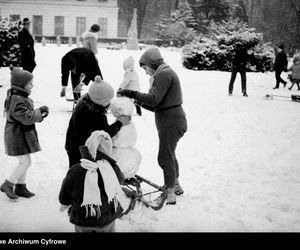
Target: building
65,18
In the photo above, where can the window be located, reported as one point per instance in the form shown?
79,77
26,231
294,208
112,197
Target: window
59,25
14,17
80,25
37,23
103,25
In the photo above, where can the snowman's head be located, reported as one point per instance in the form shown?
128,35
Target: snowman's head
121,106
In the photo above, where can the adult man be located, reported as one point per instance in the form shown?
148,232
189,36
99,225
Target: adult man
26,43
79,61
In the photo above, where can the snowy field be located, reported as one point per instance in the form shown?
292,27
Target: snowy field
239,160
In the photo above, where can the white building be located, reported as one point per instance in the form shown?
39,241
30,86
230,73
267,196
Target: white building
68,18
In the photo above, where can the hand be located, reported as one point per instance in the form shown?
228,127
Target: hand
127,92
124,119
44,111
63,92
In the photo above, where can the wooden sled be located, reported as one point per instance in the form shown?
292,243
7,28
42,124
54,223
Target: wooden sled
132,188
294,98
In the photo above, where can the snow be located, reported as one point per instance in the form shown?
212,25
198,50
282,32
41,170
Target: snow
239,160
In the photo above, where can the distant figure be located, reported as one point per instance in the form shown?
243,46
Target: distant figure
295,77
90,38
79,61
26,43
239,64
131,79
280,65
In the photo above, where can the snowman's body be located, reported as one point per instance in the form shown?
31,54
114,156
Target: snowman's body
124,152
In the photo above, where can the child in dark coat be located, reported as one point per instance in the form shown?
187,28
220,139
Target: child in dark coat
20,135
91,188
88,116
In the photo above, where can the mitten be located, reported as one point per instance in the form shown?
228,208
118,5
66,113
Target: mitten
44,111
127,92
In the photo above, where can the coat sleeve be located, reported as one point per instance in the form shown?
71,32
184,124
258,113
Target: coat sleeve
156,93
125,82
65,197
21,113
64,73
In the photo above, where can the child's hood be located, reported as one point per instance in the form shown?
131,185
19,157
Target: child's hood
128,63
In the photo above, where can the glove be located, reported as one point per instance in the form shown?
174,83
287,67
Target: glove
44,111
127,92
63,92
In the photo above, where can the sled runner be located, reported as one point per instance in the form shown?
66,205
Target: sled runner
294,98
132,188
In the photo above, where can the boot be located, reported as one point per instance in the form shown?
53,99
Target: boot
178,190
7,188
171,197
21,190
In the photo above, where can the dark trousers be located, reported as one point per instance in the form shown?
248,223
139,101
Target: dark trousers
278,78
171,128
234,72
295,81
74,157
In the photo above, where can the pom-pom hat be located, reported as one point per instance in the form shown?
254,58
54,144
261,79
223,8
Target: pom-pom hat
101,92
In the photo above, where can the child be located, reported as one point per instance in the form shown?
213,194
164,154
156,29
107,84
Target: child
131,79
90,115
92,187
295,68
20,135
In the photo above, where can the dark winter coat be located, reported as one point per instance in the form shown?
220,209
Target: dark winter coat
72,188
26,43
79,60
281,61
20,135
87,117
240,59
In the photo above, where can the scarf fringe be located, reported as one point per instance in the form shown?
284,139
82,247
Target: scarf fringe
93,211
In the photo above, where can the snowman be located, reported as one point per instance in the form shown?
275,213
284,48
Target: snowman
124,151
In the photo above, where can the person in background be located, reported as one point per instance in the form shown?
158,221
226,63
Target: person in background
89,38
80,61
280,65
26,43
20,135
295,69
131,79
239,63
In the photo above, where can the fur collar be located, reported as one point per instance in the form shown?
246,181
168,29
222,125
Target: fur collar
86,101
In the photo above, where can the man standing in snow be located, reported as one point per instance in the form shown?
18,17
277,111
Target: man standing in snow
78,61
239,63
26,43
280,65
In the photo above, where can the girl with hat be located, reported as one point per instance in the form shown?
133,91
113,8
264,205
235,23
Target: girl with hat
20,135
164,99
90,115
90,37
91,189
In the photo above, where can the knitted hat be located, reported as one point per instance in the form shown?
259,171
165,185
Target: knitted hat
20,77
128,63
151,58
26,20
101,92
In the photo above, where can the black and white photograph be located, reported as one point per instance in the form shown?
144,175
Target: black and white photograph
149,116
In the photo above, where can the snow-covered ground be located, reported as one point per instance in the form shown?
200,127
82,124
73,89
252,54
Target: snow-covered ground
239,160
